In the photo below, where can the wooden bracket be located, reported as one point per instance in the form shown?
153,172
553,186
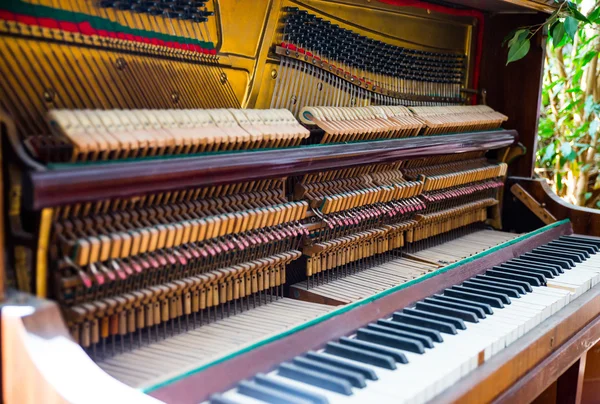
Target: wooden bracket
539,209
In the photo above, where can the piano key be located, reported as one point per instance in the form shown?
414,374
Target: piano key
360,355
460,306
505,283
356,379
440,326
572,245
398,355
583,240
487,309
475,297
533,279
270,382
498,295
447,311
541,258
555,252
267,394
432,334
426,341
315,378
476,284
367,373
555,268
548,274
221,399
392,341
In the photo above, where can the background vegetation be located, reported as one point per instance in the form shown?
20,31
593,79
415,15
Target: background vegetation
568,145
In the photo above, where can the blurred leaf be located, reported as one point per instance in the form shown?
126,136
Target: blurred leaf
593,127
587,195
557,32
593,16
587,58
548,154
575,90
571,25
559,184
567,151
575,12
589,106
517,50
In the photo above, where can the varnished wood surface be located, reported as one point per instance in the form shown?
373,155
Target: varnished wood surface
196,387
119,180
591,381
42,364
585,220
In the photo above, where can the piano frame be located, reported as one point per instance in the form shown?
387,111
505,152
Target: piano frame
555,350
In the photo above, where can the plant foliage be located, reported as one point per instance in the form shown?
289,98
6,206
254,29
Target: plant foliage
568,152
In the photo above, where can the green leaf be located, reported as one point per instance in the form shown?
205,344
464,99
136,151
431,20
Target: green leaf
589,106
575,12
548,154
517,50
598,204
559,183
593,16
593,127
571,25
557,32
587,195
587,58
575,90
566,148
519,35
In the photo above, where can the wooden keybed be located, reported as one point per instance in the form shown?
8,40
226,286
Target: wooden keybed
154,197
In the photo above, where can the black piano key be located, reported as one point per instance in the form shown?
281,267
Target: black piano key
545,272
393,341
433,334
583,240
531,281
582,250
220,399
367,373
521,287
589,249
426,341
554,252
354,378
447,311
555,268
314,398
479,313
380,349
268,394
537,279
455,321
315,378
492,301
563,262
502,296
487,309
423,322
361,355
567,251
476,284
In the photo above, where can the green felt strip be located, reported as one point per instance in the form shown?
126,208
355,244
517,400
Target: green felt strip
349,307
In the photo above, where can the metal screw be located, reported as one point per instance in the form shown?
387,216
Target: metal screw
273,74
120,63
175,97
49,95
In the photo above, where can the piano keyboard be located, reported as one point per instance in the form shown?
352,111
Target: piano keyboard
418,352
394,271
140,366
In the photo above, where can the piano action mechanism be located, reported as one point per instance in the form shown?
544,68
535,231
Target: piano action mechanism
294,201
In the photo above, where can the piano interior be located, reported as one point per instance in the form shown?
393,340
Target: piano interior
284,202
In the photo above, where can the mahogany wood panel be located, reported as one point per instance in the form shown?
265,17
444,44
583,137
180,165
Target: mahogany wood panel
584,220
514,90
196,387
95,182
591,381
570,384
558,366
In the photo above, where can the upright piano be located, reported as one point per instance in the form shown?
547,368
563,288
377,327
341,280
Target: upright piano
289,201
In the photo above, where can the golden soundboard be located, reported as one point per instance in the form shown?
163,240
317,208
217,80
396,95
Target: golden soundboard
281,202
